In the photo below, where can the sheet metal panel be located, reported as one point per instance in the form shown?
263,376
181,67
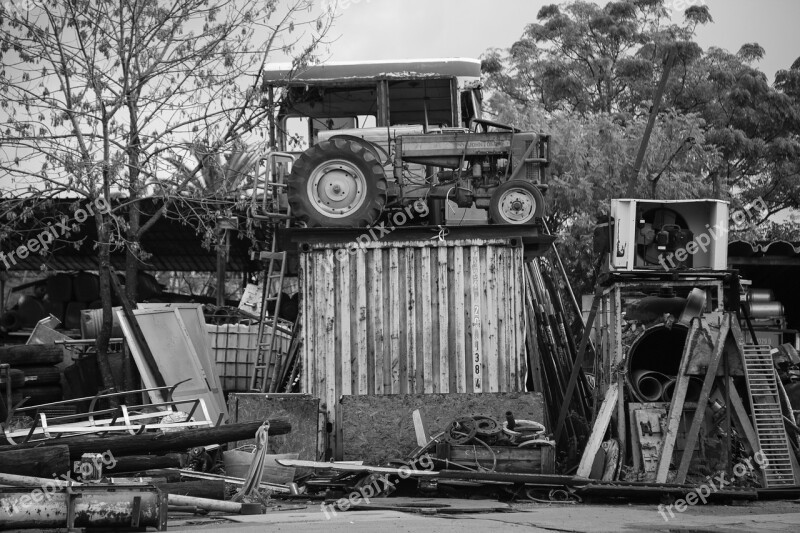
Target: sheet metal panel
417,317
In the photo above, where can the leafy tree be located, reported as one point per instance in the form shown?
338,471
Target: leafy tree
584,58
753,124
590,161
587,74
97,96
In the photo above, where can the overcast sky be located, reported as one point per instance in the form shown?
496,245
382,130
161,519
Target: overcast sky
391,29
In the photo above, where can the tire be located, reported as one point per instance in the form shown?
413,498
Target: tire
337,183
516,202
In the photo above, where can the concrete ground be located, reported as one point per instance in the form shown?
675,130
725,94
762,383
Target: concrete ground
783,516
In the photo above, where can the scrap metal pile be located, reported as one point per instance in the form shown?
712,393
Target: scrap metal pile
128,458
552,350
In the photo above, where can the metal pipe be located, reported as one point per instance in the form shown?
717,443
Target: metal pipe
174,499
760,295
648,384
764,309
692,391
96,506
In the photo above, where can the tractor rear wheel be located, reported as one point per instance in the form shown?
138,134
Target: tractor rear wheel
337,183
516,202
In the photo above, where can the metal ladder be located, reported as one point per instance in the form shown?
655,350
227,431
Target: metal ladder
266,354
267,209
762,389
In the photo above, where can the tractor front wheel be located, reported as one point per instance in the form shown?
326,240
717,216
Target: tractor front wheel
337,183
516,202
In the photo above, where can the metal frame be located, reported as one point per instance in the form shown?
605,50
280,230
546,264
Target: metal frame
270,187
83,423
610,365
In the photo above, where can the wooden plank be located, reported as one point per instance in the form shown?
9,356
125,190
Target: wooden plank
513,325
346,309
605,362
134,334
318,355
361,312
309,324
394,319
676,405
528,460
489,265
519,320
506,354
460,314
411,321
426,324
635,444
741,416
328,313
375,344
598,430
444,320
419,428
618,356
702,402
519,304
477,367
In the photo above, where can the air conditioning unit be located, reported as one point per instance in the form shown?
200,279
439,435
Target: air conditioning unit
668,234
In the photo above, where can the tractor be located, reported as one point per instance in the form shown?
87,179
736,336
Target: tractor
363,139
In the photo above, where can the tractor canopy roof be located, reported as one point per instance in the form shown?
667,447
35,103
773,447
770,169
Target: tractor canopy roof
466,70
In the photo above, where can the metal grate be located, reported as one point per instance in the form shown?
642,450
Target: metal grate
767,416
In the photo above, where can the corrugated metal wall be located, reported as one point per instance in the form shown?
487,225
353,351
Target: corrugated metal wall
413,317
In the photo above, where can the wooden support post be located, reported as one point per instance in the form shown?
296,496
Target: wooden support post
702,402
419,429
742,419
598,431
676,405
137,331
618,373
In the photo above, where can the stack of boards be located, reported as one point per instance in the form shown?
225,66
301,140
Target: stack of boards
33,373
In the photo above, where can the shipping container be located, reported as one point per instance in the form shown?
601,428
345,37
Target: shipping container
411,317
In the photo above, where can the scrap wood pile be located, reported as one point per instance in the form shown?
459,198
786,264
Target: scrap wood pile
552,350
476,455
166,470
145,452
